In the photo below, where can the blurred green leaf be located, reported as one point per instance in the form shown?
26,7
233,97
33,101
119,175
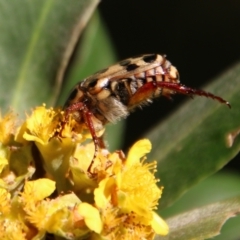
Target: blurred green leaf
220,186
217,187
36,41
202,223
230,230
193,143
94,52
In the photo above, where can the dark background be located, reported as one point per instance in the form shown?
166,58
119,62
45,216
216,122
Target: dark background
201,38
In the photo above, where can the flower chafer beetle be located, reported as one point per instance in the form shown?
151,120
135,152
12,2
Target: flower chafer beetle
112,93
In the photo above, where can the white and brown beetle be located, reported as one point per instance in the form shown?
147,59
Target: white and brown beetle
110,94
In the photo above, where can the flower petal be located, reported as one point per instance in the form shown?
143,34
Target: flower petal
138,150
3,163
103,193
159,225
91,217
39,189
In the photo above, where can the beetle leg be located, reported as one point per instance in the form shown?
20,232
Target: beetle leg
179,88
98,142
87,115
147,91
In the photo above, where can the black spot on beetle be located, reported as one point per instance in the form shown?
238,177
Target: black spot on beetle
93,83
150,58
73,94
132,67
125,62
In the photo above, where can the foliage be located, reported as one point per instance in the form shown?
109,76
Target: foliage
40,40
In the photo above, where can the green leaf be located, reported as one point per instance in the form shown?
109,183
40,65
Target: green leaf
94,52
193,143
202,223
220,186
230,229
36,41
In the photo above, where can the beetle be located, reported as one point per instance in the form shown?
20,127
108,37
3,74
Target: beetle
112,93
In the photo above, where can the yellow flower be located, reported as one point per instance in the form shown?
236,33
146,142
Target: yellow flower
45,127
7,128
128,199
65,216
91,217
5,201
115,199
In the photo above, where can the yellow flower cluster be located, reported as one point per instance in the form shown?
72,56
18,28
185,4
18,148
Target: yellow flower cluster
46,188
